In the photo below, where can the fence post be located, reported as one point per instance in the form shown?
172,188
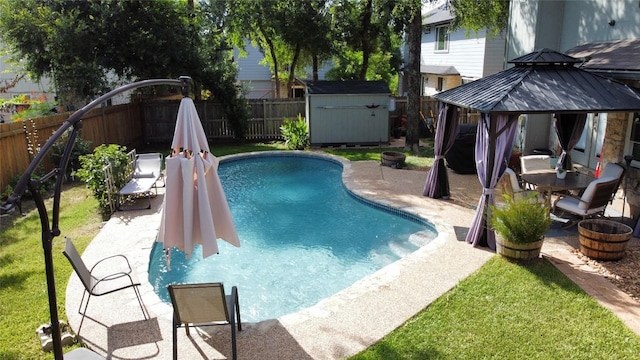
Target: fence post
264,119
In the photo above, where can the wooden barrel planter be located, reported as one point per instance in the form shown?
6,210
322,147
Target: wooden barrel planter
525,251
393,159
603,239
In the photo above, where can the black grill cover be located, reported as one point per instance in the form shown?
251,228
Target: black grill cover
461,157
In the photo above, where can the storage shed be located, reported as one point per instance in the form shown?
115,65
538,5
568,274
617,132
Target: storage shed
347,112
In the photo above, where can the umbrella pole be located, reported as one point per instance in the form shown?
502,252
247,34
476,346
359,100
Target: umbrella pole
27,183
47,240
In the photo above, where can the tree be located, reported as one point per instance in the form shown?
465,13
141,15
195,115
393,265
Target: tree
88,47
361,31
474,15
291,34
414,37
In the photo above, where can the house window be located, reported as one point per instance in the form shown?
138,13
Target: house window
442,38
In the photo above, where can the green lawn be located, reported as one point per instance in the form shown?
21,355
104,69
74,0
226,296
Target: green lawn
511,311
503,311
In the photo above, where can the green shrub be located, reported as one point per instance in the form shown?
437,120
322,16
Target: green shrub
91,171
295,133
80,147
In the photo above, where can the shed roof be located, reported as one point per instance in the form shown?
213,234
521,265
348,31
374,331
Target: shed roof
347,87
544,82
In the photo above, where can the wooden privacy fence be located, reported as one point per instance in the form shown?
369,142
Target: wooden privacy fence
120,124
267,115
153,121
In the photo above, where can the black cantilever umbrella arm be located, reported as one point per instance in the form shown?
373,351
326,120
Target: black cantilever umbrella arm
27,183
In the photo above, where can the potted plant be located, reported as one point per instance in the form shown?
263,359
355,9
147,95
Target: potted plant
520,225
561,172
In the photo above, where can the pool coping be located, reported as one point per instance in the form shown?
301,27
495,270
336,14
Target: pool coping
336,327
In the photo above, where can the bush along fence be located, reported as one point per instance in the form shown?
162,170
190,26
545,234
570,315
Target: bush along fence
153,121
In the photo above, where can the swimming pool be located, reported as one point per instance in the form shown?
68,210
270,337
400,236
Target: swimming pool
304,236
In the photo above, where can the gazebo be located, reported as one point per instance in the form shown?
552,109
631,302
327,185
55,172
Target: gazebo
544,81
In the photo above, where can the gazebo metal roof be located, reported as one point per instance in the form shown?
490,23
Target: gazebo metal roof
544,81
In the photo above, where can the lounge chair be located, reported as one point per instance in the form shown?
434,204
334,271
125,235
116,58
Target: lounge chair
119,276
146,171
204,305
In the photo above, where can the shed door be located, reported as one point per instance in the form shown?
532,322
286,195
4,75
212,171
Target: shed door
587,150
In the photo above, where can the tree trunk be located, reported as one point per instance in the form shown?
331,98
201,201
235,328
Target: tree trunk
366,40
274,59
315,67
292,70
412,140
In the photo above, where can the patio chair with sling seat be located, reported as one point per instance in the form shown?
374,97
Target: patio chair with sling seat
110,274
204,304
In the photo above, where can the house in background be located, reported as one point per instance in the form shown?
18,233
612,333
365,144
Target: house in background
449,59
605,33
42,89
255,75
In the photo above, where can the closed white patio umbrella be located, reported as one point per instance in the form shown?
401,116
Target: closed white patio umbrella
195,208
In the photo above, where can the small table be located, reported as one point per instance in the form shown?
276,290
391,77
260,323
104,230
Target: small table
548,182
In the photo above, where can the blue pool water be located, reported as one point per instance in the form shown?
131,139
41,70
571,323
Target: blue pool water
303,237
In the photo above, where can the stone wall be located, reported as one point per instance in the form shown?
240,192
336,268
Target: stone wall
614,145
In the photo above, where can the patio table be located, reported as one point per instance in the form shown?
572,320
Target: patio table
547,182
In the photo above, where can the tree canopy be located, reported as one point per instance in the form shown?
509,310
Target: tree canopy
91,46
474,15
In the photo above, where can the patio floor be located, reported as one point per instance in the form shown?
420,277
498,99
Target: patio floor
341,325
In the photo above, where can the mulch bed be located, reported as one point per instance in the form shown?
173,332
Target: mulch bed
623,273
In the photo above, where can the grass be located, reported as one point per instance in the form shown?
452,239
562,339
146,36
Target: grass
413,161
511,311
24,303
502,311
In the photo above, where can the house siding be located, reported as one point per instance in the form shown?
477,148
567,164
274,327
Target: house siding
255,77
37,89
466,54
494,55
588,21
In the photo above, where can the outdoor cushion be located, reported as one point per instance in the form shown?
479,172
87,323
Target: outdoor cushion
612,170
529,163
587,195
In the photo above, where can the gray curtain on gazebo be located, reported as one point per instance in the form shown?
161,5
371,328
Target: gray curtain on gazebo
569,128
495,134
437,184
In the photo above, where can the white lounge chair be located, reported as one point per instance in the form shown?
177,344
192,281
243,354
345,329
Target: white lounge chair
147,170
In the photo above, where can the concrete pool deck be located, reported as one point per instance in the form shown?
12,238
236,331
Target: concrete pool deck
339,326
